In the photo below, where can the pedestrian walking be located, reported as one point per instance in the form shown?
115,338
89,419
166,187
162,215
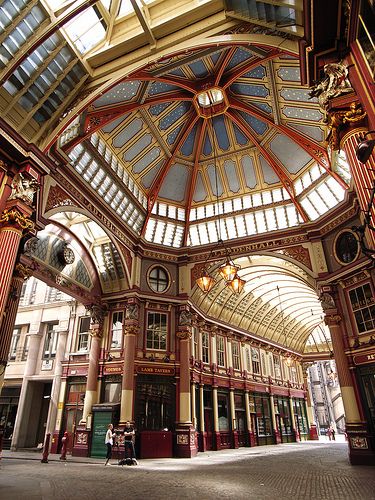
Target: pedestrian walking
329,433
109,442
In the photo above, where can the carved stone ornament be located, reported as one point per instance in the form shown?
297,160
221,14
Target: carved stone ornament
335,83
332,320
184,335
30,246
185,318
97,313
336,121
131,330
22,271
23,189
327,301
131,311
14,217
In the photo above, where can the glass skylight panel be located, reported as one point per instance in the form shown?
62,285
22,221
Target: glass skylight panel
271,221
309,208
266,196
298,187
315,172
209,211
172,212
162,209
194,235
306,180
169,233
126,7
246,201
250,224
159,232
98,178
257,200
281,217
177,240
240,224
237,204
207,232
292,215
336,189
260,222
228,206
285,194
327,195
318,202
277,195
86,29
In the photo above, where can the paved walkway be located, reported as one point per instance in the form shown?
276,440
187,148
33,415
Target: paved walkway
312,470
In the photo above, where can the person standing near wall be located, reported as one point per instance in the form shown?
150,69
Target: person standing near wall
109,442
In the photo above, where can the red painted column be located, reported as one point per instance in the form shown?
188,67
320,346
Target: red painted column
6,330
356,430
363,174
185,432
131,329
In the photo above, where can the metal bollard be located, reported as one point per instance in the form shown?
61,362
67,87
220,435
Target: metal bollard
46,449
64,446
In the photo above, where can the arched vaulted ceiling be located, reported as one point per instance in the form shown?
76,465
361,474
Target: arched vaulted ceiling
175,114
279,303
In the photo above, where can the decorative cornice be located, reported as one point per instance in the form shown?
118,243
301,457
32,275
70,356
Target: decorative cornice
332,320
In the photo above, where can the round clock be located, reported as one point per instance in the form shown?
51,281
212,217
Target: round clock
67,255
346,247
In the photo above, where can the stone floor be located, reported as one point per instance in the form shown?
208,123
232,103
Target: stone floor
314,470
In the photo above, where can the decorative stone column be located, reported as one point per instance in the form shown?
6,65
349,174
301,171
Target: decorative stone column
313,431
233,418
356,430
293,420
202,430
96,333
131,329
251,438
33,356
185,432
215,408
276,432
20,274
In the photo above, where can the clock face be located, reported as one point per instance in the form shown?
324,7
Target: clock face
346,247
68,255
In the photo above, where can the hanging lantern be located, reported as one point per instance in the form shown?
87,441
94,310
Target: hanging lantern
205,282
228,270
236,284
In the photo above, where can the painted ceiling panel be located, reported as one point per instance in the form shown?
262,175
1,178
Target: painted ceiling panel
214,180
249,171
256,125
174,115
314,115
158,108
231,175
146,160
112,125
161,88
289,153
259,72
148,178
172,136
127,133
293,94
174,185
122,92
240,137
315,133
289,74
139,146
269,175
240,56
188,146
200,193
249,89
199,69
221,134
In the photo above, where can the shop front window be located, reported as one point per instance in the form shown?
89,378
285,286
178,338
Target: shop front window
299,409
363,307
222,403
155,403
112,389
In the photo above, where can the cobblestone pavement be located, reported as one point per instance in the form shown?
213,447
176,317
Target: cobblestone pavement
297,470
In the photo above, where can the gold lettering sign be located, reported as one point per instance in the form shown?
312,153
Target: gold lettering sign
156,370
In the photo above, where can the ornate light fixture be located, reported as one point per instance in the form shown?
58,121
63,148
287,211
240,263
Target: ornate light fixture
228,270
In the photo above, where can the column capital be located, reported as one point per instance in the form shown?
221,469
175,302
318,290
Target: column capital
22,272
131,329
332,319
183,334
340,121
13,217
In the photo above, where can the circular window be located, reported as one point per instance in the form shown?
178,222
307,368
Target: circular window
346,247
158,279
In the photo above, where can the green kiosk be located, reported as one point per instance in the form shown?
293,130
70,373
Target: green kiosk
102,415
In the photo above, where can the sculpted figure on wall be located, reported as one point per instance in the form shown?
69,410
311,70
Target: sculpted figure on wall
23,189
336,83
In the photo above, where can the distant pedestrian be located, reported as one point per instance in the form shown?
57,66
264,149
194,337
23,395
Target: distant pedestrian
329,433
333,434
109,442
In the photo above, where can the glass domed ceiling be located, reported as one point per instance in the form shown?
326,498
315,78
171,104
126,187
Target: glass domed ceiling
222,130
